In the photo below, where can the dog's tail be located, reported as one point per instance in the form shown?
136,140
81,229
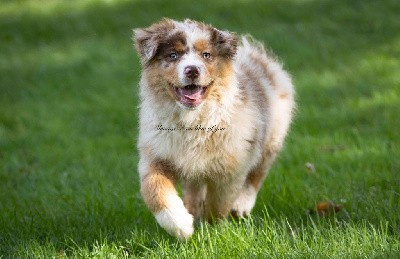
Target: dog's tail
253,56
252,45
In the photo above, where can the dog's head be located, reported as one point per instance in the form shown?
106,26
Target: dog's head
185,59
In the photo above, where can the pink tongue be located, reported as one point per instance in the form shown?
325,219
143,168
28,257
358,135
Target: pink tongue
192,93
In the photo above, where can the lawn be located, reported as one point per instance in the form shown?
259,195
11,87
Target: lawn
68,129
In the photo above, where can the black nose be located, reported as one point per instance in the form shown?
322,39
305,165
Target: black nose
192,72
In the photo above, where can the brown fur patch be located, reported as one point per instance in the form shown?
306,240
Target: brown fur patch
157,184
158,81
222,69
284,96
258,174
201,45
161,80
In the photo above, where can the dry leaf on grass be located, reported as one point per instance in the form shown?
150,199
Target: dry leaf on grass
326,208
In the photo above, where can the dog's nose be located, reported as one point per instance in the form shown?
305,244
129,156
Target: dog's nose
192,72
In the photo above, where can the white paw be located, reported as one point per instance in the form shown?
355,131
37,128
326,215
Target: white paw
176,220
244,203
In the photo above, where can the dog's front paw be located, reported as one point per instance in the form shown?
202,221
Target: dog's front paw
176,221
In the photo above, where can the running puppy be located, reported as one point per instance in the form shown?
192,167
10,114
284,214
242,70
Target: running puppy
214,112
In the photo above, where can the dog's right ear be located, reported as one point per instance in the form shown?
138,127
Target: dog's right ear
146,44
148,39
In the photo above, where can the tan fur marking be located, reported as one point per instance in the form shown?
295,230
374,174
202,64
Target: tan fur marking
201,45
157,184
223,70
180,46
257,175
159,81
284,96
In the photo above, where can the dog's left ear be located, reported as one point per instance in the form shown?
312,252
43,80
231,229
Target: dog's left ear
147,40
225,42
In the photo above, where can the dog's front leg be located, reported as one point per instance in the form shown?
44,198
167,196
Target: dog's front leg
159,193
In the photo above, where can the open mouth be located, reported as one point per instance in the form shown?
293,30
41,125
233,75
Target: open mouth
191,96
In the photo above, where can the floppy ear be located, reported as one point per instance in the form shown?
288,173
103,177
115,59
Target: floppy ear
146,44
148,39
225,42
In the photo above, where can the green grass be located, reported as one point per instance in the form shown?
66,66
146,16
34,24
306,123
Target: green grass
68,123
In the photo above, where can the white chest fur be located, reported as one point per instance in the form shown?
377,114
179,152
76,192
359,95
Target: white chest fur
215,145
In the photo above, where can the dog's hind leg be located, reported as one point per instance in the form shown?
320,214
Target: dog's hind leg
246,200
220,197
281,109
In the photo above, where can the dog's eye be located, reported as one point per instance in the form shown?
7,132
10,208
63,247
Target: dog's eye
206,55
173,56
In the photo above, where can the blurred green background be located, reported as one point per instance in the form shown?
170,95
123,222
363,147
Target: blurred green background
68,117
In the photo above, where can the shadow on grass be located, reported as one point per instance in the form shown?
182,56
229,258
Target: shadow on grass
81,61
